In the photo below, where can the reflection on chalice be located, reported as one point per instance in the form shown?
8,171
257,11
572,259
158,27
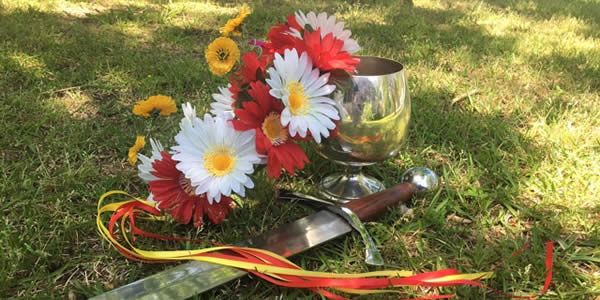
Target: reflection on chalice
374,107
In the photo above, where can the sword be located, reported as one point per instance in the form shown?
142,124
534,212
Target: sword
189,279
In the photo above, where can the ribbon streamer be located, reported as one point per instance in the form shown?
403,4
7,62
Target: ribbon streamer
277,269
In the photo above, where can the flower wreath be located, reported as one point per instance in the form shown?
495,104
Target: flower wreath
278,96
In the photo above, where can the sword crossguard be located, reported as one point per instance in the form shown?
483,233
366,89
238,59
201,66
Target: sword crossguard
372,206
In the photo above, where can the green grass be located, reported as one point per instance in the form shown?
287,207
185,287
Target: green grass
519,161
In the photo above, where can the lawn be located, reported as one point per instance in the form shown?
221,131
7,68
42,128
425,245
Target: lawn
519,159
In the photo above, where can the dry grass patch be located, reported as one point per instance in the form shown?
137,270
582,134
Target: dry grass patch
77,103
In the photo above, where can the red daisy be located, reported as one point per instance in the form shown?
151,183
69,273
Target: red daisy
291,21
272,139
254,67
175,194
234,89
280,39
326,54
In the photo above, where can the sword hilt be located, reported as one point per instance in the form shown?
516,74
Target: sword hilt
371,206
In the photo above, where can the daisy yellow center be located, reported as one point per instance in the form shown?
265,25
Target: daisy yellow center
273,130
220,161
298,101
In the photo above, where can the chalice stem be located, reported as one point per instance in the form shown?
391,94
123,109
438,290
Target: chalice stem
354,172
349,185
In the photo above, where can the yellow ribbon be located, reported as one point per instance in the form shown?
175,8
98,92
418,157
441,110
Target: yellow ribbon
262,268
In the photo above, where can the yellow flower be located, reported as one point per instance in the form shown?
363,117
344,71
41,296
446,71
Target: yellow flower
233,24
140,141
164,104
221,55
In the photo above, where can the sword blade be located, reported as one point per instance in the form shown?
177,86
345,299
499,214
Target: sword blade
195,277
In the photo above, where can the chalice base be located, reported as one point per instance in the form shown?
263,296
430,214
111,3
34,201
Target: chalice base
346,187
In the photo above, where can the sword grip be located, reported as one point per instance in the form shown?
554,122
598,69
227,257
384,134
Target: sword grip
371,206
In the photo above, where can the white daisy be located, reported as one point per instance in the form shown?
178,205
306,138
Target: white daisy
303,91
224,102
145,168
215,157
327,25
189,112
190,118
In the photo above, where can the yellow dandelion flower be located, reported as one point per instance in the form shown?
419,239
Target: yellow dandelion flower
140,141
221,55
233,24
164,104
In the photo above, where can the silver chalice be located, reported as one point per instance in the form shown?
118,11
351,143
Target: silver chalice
374,107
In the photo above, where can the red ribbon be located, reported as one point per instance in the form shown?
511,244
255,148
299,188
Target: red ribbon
316,284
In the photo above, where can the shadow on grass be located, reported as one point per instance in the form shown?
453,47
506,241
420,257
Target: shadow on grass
419,35
485,171
60,159
108,50
575,71
576,67
587,11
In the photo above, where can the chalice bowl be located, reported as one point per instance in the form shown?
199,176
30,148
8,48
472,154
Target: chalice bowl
374,108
